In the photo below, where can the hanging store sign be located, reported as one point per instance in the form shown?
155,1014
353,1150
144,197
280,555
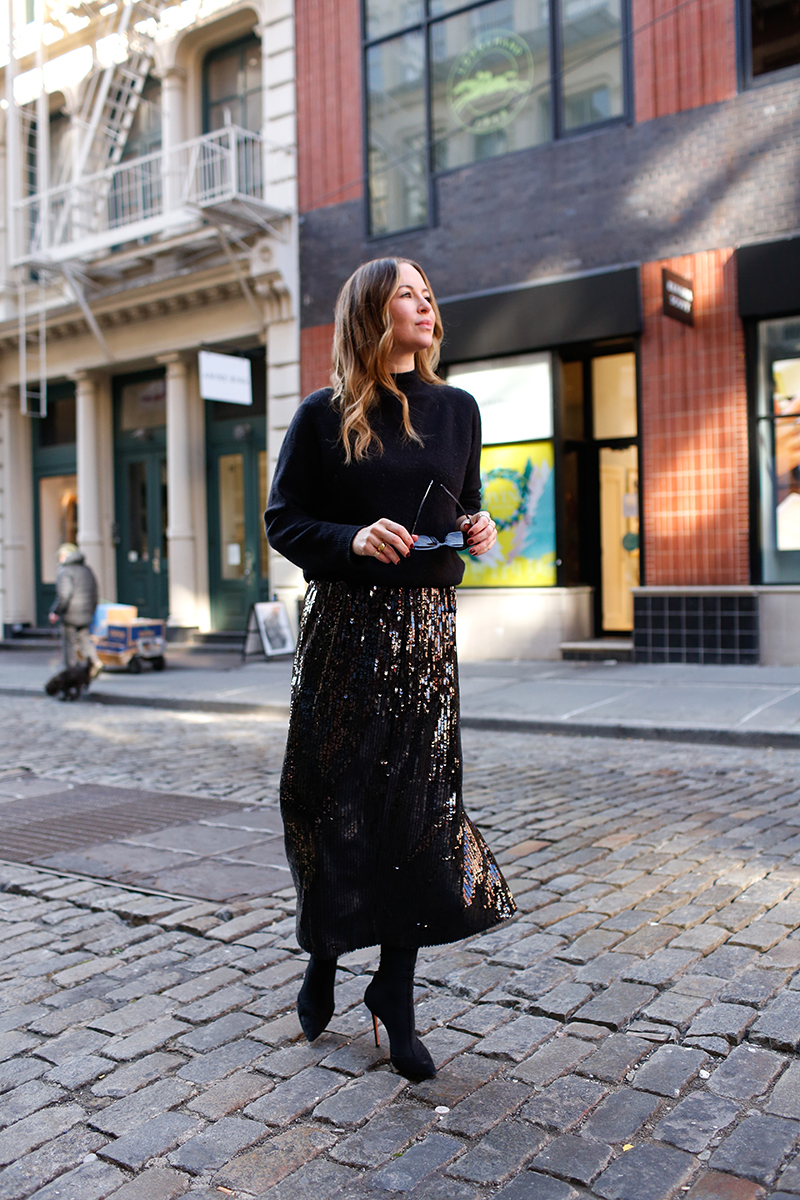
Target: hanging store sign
225,377
678,296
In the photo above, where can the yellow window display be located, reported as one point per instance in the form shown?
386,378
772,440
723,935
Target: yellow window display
518,490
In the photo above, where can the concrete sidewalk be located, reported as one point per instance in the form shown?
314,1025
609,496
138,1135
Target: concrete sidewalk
757,706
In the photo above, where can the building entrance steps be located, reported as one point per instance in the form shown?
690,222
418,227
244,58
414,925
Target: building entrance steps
602,649
735,705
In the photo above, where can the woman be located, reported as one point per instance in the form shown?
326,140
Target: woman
380,848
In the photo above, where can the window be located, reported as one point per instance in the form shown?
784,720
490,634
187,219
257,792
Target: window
450,83
232,86
515,399
58,520
778,438
144,136
771,36
143,405
58,427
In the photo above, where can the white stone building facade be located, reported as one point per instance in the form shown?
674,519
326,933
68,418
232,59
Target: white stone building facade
148,213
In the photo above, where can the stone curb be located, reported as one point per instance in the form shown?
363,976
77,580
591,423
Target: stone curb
714,735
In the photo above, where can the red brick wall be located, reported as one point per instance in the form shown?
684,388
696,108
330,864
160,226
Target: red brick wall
330,167
315,358
684,55
694,429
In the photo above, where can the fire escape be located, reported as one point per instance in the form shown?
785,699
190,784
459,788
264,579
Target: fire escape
101,203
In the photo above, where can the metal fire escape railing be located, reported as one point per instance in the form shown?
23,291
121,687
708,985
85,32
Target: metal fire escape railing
218,175
110,100
99,202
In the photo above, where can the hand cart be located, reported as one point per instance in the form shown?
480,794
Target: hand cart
126,646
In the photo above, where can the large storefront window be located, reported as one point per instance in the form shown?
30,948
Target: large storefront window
450,83
779,450
55,489
517,482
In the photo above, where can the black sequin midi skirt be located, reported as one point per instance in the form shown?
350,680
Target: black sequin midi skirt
380,848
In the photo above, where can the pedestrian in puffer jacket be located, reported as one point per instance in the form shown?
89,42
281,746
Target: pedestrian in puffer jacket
75,602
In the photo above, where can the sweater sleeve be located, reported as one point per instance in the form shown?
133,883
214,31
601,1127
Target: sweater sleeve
294,518
471,491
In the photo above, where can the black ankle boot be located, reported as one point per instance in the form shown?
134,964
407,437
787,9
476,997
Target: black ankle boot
315,1002
390,996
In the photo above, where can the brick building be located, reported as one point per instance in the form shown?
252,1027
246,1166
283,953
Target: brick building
547,162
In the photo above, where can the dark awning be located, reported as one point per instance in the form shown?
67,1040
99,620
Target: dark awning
514,320
768,278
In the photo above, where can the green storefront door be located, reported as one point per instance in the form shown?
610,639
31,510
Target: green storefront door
142,564
140,473
237,546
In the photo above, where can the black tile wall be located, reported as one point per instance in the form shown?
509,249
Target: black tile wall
695,629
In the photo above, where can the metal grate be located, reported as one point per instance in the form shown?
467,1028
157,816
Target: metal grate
88,814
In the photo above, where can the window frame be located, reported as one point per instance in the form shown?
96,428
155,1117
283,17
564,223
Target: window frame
558,132
761,506
744,55
241,44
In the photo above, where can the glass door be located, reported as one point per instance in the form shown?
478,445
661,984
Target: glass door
140,475
600,482
236,463
619,534
142,565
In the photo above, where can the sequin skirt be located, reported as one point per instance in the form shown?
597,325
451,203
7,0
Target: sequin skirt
377,839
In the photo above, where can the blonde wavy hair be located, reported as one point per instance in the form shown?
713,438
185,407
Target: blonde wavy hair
362,345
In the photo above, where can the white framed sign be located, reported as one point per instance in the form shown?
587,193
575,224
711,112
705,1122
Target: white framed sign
515,396
225,377
272,629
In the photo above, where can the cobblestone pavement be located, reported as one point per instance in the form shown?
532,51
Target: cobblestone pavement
632,1035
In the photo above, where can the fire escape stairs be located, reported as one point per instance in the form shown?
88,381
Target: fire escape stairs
112,96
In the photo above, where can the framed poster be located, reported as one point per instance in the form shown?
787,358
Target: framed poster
518,490
272,629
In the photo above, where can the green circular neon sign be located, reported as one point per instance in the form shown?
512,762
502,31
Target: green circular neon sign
490,82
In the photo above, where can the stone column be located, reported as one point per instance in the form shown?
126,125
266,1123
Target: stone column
90,537
173,81
17,581
5,221
280,283
283,392
182,557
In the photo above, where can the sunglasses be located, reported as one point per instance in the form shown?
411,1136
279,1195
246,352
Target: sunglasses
454,540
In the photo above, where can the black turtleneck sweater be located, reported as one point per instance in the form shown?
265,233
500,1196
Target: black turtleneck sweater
318,502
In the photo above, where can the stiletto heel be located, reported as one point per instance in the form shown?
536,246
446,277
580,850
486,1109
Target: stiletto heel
390,996
315,1002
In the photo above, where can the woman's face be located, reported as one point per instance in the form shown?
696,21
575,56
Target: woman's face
412,314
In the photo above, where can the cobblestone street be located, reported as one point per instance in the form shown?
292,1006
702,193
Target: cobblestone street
633,1034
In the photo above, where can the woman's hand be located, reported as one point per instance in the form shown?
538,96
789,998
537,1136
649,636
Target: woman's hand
480,531
385,540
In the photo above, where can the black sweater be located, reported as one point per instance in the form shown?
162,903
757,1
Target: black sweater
318,503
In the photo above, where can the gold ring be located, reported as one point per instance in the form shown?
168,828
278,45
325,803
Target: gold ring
381,548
